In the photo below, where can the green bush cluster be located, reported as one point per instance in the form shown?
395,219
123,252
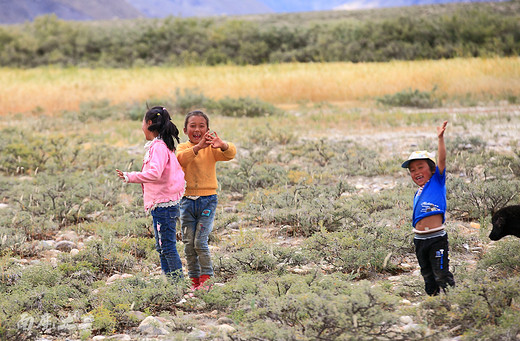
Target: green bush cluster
307,307
483,304
479,30
411,98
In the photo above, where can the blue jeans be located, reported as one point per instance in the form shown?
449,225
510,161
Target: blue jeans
197,222
164,222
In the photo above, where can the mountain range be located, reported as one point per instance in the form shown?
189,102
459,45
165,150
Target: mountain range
18,11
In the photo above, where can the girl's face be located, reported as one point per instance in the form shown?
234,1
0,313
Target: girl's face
149,135
196,128
420,172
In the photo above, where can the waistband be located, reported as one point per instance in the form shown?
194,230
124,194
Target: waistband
430,233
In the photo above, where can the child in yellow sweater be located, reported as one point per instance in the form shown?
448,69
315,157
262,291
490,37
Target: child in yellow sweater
198,158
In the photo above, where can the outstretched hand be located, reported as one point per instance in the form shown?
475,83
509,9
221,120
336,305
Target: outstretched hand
120,174
215,141
441,129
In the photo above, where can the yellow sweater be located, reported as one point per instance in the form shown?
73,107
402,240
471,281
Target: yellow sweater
200,170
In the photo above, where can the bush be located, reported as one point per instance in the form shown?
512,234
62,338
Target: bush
479,303
243,107
411,98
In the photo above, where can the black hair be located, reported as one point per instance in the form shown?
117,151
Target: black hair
431,164
195,113
162,124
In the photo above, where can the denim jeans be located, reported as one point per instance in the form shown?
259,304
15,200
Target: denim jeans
164,222
197,222
432,255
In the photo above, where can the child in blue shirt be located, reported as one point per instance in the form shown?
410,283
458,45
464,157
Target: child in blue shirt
429,208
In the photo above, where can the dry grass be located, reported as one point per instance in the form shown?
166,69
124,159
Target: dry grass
53,89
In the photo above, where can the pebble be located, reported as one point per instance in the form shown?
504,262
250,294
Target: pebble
152,326
65,246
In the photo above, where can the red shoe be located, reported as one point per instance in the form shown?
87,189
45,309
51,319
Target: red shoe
202,279
195,282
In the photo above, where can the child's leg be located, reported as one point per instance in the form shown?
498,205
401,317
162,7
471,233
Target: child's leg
206,209
188,229
421,251
164,223
439,258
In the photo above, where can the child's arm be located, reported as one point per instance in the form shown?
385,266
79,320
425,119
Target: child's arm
441,152
158,161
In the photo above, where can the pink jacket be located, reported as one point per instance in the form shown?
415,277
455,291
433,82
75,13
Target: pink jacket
161,175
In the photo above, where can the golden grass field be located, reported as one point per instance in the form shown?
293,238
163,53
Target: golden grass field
51,90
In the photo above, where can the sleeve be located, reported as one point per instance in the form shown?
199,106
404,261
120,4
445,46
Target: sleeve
185,154
158,159
227,155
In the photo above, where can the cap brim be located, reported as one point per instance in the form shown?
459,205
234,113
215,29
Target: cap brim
406,164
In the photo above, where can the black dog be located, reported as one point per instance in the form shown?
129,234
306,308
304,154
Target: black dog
506,221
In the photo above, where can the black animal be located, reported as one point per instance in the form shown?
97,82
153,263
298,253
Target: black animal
506,221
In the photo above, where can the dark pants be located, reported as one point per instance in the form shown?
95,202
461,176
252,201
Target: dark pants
432,255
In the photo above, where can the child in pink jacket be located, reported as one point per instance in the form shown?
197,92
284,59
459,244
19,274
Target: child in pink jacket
163,185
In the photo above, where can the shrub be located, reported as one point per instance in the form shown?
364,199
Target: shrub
479,303
411,98
243,107
503,257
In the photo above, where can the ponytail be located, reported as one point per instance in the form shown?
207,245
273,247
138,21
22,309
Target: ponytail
162,124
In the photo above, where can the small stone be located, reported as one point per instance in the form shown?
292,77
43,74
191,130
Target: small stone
233,226
152,326
406,302
406,319
197,334
65,246
113,278
225,320
226,329
120,337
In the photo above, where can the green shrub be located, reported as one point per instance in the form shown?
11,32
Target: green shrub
477,199
411,98
243,107
190,100
503,257
478,303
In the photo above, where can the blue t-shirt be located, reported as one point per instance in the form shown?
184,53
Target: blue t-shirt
432,199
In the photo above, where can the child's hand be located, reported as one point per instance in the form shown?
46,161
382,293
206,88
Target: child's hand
215,141
120,175
204,142
441,129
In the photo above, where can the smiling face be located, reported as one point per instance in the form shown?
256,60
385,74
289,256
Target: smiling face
420,172
196,128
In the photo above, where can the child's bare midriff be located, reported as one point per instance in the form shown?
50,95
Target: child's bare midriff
429,223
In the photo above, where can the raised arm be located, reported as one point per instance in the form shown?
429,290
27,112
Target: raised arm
441,151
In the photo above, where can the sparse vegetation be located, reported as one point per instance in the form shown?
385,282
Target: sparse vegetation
320,224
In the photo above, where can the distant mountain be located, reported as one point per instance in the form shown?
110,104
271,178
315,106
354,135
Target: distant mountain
366,4
17,11
199,8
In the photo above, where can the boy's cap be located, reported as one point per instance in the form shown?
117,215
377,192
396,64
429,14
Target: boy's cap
419,155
